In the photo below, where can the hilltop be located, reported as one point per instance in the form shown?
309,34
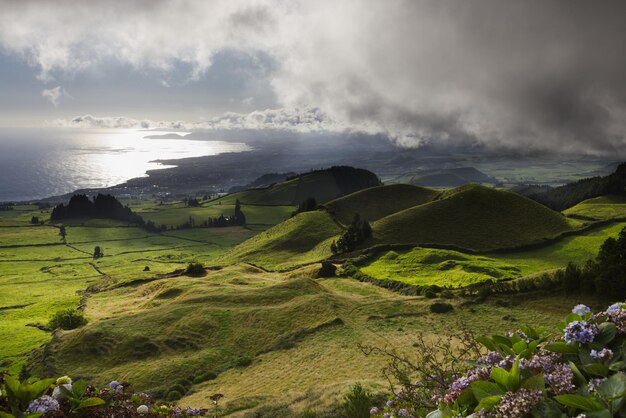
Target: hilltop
475,218
322,185
470,217
377,202
453,177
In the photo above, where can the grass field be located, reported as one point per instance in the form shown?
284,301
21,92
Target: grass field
271,338
600,208
425,266
305,238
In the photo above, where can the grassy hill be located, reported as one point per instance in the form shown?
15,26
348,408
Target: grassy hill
299,240
599,208
377,202
323,185
453,177
473,217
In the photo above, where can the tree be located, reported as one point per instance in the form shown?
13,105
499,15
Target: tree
62,232
357,233
34,220
240,218
97,252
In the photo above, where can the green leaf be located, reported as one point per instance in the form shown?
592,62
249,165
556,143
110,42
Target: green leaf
534,382
39,387
618,365
483,389
79,388
597,369
547,409
90,402
579,402
580,379
561,348
573,317
614,387
487,342
466,397
435,414
6,415
514,380
499,339
501,376
488,403
607,333
520,346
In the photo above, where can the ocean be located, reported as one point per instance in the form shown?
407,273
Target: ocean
43,162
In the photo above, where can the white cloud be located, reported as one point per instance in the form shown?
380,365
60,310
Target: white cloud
294,120
54,95
528,75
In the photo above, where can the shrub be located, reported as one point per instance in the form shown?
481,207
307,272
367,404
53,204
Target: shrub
440,307
328,269
174,395
427,293
177,388
195,270
243,362
67,319
358,402
210,375
447,294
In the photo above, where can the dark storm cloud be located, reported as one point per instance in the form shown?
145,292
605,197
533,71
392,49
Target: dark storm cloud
530,75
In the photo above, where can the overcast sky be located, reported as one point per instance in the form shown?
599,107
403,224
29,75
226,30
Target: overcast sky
532,74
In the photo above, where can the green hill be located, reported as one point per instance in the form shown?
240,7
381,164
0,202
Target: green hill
599,208
323,185
299,240
377,202
473,217
452,177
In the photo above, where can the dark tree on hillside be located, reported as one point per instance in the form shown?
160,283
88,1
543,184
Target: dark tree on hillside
97,252
34,220
62,232
357,233
240,218
307,205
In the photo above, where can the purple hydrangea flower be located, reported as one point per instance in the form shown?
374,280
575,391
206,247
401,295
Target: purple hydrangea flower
560,379
374,411
580,331
581,310
603,354
463,382
594,384
616,307
114,384
403,413
44,404
518,404
390,403
490,359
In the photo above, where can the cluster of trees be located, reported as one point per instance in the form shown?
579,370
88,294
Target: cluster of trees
191,202
358,231
308,205
563,197
98,252
36,221
6,206
237,219
102,206
606,275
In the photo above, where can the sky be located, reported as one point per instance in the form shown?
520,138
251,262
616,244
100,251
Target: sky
521,75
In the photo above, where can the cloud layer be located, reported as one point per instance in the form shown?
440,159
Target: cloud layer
521,75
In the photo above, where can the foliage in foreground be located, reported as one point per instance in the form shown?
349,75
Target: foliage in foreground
523,374
60,398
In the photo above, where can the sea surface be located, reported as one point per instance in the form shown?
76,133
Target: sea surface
43,162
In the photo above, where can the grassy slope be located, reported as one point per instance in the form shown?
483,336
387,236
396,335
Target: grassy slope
378,202
299,240
158,333
473,217
600,208
425,266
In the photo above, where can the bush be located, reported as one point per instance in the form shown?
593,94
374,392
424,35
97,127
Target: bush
204,377
195,270
429,294
328,269
447,294
174,395
440,307
358,402
67,319
243,362
177,388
